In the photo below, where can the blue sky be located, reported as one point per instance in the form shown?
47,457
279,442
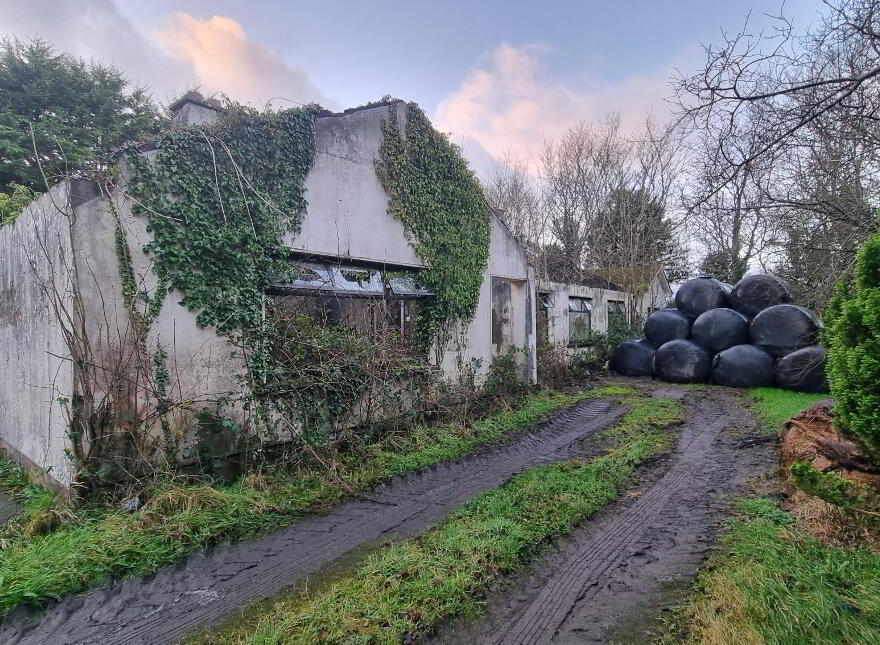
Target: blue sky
500,76
356,51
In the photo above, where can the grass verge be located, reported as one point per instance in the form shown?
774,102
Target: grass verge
404,590
47,560
772,583
777,406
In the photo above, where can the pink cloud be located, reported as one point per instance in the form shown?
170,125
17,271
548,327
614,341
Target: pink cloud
511,104
223,58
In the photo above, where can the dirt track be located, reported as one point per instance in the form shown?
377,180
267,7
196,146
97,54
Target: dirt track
164,607
609,581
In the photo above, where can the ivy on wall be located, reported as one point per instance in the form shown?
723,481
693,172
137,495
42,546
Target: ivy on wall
440,203
218,199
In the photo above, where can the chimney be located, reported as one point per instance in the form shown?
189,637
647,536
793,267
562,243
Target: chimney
192,108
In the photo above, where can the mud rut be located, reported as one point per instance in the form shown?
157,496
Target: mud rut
610,580
166,606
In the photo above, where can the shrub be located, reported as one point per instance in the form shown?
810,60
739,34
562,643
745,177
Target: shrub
552,364
505,376
854,363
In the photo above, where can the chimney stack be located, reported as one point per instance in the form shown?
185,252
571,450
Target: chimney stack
192,108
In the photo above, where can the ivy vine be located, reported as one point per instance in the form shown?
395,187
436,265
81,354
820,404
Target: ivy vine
218,199
440,203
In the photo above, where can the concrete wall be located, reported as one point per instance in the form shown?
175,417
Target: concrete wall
508,261
655,298
36,273
558,314
347,215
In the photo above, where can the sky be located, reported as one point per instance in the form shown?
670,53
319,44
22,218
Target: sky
499,76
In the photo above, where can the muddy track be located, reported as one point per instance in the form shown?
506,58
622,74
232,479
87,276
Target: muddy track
164,607
609,581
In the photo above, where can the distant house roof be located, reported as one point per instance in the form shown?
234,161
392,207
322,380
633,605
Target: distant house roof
598,282
637,278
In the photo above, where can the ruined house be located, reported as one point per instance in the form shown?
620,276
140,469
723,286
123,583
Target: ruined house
62,283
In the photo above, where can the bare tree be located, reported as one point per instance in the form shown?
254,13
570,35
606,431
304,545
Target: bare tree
810,101
513,192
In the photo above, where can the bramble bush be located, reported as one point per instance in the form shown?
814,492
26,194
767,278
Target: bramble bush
853,335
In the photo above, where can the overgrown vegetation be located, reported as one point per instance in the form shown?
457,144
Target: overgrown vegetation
854,360
13,202
772,583
218,199
441,205
404,590
179,518
776,406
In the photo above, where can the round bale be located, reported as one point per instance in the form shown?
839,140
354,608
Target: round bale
803,370
633,358
718,329
754,293
781,329
665,325
682,361
701,294
743,366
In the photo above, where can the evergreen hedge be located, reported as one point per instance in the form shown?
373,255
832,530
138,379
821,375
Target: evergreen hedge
853,336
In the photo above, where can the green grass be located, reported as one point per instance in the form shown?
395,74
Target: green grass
34,501
405,590
777,406
771,583
99,542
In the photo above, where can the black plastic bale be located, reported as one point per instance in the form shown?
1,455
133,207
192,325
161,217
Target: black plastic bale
682,361
633,358
803,370
665,325
781,329
754,293
718,329
743,366
700,295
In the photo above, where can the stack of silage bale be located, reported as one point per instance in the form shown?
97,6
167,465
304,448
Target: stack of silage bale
748,335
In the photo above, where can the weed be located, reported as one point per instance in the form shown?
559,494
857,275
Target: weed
178,518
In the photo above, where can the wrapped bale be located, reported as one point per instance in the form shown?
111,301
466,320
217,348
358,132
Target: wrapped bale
718,329
682,361
781,329
701,294
665,325
633,358
803,370
754,293
743,366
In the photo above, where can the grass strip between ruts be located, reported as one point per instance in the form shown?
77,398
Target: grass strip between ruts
178,519
405,589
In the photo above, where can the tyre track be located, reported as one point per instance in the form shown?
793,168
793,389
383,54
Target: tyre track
163,607
617,571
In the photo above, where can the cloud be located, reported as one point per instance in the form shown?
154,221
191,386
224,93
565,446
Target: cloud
511,104
222,57
215,53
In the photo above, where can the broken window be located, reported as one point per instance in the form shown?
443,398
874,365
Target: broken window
580,321
370,300
545,305
616,314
